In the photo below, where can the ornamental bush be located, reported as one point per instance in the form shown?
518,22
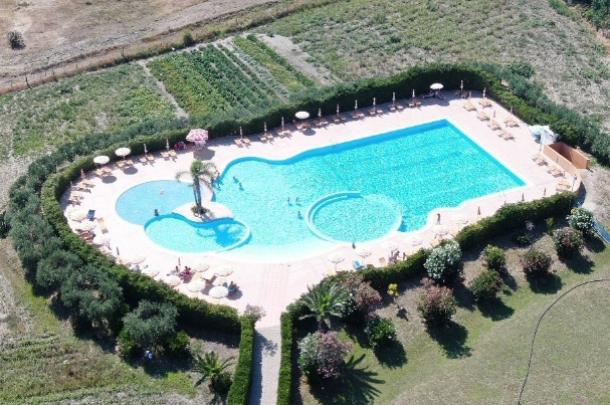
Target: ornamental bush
486,285
322,355
15,40
582,220
494,258
151,325
568,242
363,297
379,331
54,269
445,262
436,304
536,263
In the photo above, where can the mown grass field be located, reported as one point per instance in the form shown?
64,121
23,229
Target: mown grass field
242,76
360,38
35,120
482,357
42,361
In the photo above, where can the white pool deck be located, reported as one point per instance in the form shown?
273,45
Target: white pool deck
273,284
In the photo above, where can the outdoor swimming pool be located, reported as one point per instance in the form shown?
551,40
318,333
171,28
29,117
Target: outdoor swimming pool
350,192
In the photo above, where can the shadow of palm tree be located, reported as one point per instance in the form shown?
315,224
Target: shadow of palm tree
356,386
391,355
452,338
495,309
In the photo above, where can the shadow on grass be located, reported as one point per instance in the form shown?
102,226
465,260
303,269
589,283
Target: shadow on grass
463,296
547,284
356,386
495,309
452,338
595,244
579,263
391,355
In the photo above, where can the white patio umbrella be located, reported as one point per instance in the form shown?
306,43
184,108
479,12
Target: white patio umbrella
219,292
78,214
416,242
201,267
122,152
223,272
86,226
195,286
151,271
459,219
302,115
101,240
392,246
436,86
101,160
336,259
363,253
173,281
137,259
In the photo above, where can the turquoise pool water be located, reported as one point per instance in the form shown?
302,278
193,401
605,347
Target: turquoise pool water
352,192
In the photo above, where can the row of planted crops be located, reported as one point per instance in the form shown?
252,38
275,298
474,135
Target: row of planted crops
239,77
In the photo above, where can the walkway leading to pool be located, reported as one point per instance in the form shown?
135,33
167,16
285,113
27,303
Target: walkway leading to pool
273,282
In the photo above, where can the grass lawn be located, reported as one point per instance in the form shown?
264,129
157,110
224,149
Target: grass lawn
41,361
35,120
481,357
361,38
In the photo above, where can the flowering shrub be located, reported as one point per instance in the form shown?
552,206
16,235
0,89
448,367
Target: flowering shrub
582,220
322,354
444,263
494,258
568,241
436,304
380,331
363,297
486,285
536,263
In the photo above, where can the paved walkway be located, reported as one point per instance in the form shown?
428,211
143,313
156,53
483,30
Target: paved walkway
266,366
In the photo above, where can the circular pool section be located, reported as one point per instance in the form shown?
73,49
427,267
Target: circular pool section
177,233
138,204
352,217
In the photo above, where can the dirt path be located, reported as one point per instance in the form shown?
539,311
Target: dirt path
299,59
180,113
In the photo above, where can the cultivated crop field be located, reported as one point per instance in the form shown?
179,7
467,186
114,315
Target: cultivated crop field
360,38
239,76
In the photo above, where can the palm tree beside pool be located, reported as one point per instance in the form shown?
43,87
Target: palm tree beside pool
201,172
325,301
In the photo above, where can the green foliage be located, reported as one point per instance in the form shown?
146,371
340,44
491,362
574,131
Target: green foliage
54,270
242,379
494,258
379,331
363,298
4,225
151,324
522,239
284,388
582,220
93,298
324,301
550,224
561,7
486,285
568,242
445,262
177,345
187,39
436,303
212,369
322,354
536,263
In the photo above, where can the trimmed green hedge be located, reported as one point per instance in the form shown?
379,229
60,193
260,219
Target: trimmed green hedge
284,388
477,235
242,379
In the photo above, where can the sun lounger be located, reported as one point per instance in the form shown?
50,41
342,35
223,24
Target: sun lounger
129,162
539,160
172,153
88,184
91,215
120,164
246,141
485,103
507,136
469,106
511,122
494,125
382,261
73,201
357,265
482,116
143,160
150,157
165,155
357,115
238,142
555,172
338,119
102,224
322,122
372,112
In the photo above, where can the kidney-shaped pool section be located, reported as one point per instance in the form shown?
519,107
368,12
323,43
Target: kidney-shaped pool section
398,178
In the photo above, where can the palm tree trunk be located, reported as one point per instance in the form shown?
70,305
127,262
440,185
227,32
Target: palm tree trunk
197,193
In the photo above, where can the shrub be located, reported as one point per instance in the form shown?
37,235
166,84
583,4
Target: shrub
326,300
536,263
15,40
187,39
486,285
379,331
284,389
494,258
177,345
582,220
568,242
4,225
242,379
54,269
521,239
150,325
550,224
222,383
93,298
214,370
445,262
363,297
436,304
322,354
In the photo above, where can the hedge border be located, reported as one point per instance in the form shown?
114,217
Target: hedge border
242,379
507,218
